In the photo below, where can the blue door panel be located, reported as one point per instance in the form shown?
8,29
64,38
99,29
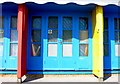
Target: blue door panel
35,64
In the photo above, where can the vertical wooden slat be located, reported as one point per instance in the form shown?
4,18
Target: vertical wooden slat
97,26
22,39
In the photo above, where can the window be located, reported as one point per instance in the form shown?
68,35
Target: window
36,22
117,36
13,36
52,28
1,34
53,22
67,23
83,36
67,36
1,22
106,37
36,36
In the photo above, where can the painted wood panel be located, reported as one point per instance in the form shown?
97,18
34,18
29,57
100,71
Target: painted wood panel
97,20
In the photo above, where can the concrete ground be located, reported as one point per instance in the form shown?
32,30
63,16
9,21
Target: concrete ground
58,78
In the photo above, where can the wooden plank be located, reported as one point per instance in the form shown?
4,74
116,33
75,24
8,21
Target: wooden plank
22,39
97,26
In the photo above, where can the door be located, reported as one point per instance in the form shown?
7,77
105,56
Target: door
9,42
35,51
68,43
2,59
67,58
116,57
111,43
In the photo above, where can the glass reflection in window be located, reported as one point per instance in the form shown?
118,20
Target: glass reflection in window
36,35
83,49
53,22
14,22
1,22
1,35
13,49
67,35
67,23
36,22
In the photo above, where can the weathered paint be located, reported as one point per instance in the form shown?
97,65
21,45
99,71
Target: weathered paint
97,20
22,39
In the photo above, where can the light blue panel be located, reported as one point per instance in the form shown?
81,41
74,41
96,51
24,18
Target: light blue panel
50,62
85,62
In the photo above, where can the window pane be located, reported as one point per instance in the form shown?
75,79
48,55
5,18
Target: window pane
106,50
14,36
13,49
106,23
105,36
36,49
67,50
83,23
67,23
116,23
13,22
1,49
53,22
119,24
52,35
83,49
52,50
1,22
36,22
117,50
117,36
36,36
83,36
67,36
1,35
